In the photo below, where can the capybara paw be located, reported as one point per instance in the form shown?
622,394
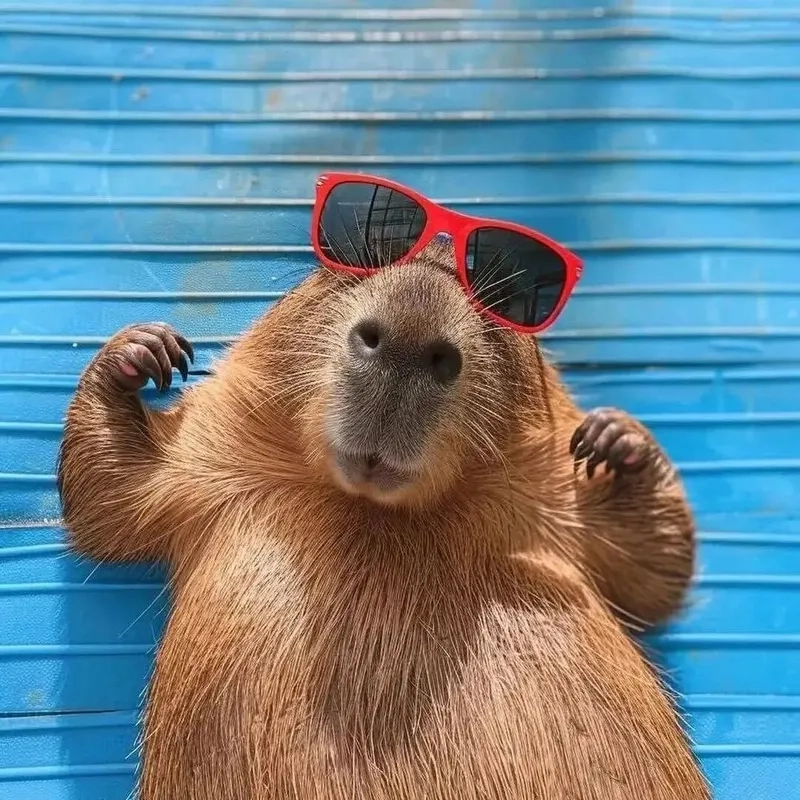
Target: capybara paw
141,352
614,437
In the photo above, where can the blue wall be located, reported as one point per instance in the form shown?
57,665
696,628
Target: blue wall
156,162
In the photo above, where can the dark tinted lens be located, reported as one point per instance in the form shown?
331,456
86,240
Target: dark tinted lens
369,226
513,275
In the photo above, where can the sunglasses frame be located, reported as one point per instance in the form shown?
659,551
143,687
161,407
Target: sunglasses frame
438,220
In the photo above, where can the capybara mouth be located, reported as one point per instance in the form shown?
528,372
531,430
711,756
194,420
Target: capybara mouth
369,473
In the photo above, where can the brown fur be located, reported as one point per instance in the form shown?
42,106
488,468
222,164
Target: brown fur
451,643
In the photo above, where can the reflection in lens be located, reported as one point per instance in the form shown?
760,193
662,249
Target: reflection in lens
513,275
368,226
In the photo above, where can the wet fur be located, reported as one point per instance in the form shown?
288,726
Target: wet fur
458,643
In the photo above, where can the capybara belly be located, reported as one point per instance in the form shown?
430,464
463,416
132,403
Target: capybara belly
532,703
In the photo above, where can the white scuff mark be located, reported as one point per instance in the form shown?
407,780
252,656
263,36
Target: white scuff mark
154,278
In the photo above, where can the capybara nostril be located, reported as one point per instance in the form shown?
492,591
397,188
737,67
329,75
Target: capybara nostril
443,360
365,339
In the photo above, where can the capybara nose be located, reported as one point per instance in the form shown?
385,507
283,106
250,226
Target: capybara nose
442,359
366,340
375,344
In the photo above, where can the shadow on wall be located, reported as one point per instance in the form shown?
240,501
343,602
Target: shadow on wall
113,618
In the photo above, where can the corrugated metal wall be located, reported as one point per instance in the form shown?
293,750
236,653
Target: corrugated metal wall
156,161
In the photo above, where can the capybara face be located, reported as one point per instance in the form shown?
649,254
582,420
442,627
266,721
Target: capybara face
405,386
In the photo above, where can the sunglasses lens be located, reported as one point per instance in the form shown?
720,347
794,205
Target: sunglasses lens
368,226
515,276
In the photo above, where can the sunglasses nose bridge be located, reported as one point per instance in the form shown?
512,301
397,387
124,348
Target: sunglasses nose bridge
449,224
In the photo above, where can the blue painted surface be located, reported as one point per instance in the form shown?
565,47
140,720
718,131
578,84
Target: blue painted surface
157,160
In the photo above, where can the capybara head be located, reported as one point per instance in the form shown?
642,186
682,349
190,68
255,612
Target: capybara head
401,387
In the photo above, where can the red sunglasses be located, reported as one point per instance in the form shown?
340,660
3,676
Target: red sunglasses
513,275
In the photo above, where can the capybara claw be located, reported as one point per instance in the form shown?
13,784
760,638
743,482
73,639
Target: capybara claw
610,436
140,353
